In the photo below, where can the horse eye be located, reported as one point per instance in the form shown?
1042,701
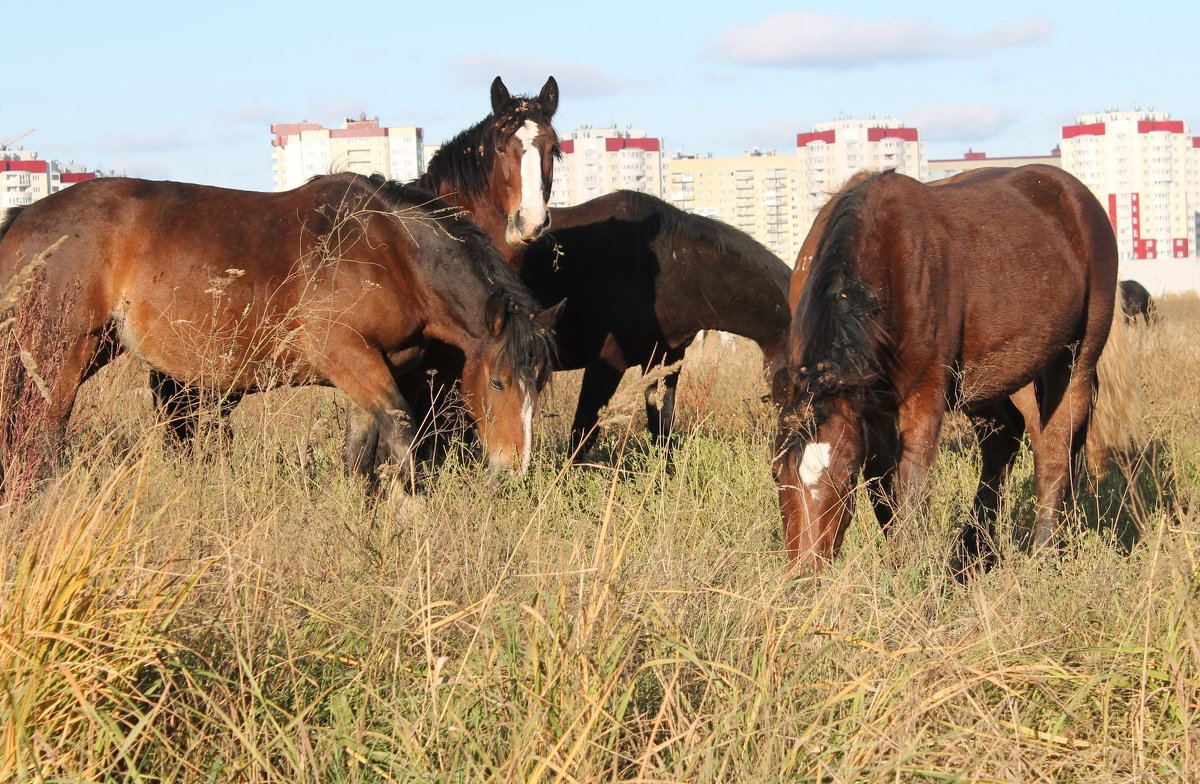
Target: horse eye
497,384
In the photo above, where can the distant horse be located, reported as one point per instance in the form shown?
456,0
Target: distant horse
343,281
638,278
919,297
500,171
1136,301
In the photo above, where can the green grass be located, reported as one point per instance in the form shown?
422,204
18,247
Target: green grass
254,616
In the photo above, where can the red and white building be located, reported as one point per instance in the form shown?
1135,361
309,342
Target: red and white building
832,152
597,161
1142,167
24,179
305,149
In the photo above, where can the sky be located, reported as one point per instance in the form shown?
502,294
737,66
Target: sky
189,91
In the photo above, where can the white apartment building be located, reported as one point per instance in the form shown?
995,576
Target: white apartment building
1142,166
596,161
304,150
774,197
831,152
24,179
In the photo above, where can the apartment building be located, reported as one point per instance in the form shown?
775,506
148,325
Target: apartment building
831,152
24,178
940,168
774,197
305,149
756,193
596,161
1142,166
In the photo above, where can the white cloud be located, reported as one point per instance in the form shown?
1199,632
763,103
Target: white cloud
808,39
964,122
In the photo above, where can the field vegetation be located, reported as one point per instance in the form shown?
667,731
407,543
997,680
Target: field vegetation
249,614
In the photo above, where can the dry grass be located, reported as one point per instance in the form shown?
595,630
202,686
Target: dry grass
252,616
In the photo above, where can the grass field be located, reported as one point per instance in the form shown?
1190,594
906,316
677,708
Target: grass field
251,615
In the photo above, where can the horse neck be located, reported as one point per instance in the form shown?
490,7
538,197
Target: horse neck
482,207
756,308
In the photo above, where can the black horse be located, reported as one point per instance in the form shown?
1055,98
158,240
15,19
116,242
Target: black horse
640,278
1136,301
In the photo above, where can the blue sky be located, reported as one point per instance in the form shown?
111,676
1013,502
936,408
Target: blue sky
189,91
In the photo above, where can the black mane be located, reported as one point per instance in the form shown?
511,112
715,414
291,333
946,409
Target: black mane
527,344
837,342
463,165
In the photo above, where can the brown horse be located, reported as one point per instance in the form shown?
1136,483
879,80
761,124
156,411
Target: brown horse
500,171
501,168
343,281
918,297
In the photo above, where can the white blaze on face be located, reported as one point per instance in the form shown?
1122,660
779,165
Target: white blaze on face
527,420
813,464
533,206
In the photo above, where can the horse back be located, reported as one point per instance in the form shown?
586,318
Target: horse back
991,275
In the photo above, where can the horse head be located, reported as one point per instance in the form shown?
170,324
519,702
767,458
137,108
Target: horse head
524,146
502,378
819,449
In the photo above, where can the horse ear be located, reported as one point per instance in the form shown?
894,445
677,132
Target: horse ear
783,387
495,313
500,95
549,317
549,97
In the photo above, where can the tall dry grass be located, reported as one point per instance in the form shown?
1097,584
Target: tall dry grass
251,615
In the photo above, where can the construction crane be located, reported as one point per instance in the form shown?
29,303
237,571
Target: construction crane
5,143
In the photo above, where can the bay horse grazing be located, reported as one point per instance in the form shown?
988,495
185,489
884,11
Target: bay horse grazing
1136,301
919,297
342,281
640,278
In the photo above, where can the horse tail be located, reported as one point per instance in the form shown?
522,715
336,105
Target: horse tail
1115,427
836,338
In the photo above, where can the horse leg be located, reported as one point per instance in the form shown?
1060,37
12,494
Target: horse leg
879,468
660,404
1065,399
998,430
920,425
177,405
367,379
600,380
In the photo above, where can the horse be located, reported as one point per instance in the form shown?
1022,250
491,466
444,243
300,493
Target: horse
638,278
499,171
922,296
343,282
1136,301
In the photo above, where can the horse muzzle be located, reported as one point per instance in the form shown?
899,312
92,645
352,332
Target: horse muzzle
523,232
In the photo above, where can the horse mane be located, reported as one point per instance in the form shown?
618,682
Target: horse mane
837,342
527,343
463,165
10,215
701,228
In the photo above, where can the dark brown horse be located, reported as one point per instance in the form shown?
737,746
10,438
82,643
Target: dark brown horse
343,281
640,278
1136,301
920,297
